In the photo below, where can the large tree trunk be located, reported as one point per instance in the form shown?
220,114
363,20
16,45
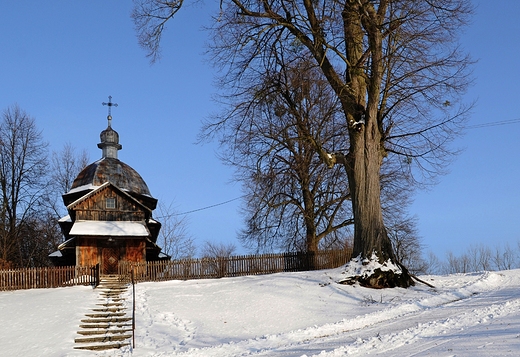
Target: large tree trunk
370,235
363,165
366,152
311,241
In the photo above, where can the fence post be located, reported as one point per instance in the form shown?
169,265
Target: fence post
94,275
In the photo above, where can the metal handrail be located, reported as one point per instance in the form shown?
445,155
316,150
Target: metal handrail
133,308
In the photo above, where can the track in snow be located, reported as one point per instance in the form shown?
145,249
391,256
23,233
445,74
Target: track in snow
417,327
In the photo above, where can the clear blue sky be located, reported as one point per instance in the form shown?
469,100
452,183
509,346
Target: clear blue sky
59,60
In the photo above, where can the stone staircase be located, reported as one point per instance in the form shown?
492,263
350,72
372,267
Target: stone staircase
107,326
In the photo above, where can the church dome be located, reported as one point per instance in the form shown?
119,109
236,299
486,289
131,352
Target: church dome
110,169
114,171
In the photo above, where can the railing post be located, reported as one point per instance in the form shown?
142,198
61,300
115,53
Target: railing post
133,308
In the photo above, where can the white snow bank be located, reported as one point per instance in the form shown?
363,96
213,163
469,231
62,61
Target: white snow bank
42,322
289,314
366,267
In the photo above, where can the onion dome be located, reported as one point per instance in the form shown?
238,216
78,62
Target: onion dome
110,169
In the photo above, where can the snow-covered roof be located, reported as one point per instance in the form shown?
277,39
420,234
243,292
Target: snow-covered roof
163,255
83,188
110,228
64,244
65,219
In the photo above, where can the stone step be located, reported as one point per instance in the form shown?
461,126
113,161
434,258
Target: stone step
111,288
108,319
110,295
108,304
106,314
103,331
109,346
108,309
115,299
105,325
111,282
105,338
103,286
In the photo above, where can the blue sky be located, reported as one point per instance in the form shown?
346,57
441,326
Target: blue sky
59,60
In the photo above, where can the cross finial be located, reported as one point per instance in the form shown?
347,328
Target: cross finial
110,105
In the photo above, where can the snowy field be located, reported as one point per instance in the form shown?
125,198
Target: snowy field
288,314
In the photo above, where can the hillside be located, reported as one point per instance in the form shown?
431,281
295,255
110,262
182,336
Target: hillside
288,314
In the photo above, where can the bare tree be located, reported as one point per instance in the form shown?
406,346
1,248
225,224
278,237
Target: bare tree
23,165
173,236
456,264
216,255
293,202
42,235
482,258
433,264
394,65
505,257
407,246
217,250
479,258
66,165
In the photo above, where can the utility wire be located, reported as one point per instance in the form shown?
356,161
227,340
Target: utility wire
494,123
476,126
207,207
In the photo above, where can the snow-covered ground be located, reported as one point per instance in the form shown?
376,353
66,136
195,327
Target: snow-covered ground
288,314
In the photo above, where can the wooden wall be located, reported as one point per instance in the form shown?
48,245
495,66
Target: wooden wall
89,250
94,208
135,250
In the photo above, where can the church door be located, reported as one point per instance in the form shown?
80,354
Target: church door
110,257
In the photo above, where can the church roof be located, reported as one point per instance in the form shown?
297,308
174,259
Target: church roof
110,170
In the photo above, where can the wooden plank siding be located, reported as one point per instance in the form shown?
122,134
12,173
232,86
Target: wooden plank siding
94,208
135,250
87,251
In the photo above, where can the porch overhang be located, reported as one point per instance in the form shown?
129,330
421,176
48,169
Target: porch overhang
110,229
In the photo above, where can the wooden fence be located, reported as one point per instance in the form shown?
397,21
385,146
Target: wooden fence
211,268
48,277
204,268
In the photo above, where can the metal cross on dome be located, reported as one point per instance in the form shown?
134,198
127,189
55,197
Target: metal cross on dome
110,105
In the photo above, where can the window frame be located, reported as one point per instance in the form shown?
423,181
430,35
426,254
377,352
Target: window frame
110,203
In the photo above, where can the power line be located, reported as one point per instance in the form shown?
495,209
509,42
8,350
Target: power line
202,209
476,126
494,123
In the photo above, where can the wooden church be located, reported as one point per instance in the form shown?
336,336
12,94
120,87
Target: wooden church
109,214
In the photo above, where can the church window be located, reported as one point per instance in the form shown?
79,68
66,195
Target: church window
111,202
